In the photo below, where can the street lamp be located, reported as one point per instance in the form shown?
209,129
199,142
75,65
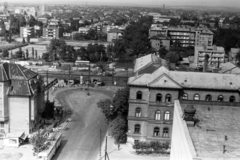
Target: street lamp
88,79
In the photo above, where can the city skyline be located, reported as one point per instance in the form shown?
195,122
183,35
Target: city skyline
211,3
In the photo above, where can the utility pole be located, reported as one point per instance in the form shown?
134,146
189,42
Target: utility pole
106,154
88,79
47,89
100,155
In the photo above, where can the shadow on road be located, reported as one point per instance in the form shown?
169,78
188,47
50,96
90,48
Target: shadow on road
63,143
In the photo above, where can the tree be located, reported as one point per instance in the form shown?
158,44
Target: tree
36,54
119,49
45,56
23,40
32,52
38,142
27,54
19,54
32,21
28,39
5,53
172,57
102,66
162,52
116,111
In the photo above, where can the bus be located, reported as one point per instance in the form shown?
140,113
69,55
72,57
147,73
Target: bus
55,141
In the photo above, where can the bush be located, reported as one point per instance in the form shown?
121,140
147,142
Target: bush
154,147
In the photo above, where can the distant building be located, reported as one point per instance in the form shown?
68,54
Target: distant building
5,7
83,30
187,36
230,68
114,34
22,99
211,134
152,95
158,41
216,55
26,31
53,32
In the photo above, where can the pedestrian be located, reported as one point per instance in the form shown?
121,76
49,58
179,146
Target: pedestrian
118,146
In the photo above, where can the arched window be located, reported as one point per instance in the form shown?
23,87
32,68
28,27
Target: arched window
185,96
220,98
137,128
156,131
196,97
168,98
208,97
165,132
139,95
138,112
232,99
157,115
159,97
167,115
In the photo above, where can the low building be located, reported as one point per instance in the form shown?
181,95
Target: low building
216,55
152,95
211,134
52,32
158,41
230,68
114,34
22,99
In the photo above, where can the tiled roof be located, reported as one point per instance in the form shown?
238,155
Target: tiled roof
24,82
187,80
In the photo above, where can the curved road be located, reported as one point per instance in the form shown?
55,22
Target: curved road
81,138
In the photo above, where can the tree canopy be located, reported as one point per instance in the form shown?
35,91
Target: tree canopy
116,111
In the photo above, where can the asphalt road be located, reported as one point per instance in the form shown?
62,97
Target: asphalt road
81,139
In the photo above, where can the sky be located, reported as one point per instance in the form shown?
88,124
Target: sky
223,3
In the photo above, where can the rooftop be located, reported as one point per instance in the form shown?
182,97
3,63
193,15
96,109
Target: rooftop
215,123
162,77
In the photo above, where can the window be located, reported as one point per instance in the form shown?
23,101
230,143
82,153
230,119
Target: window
167,115
157,115
165,132
138,112
232,99
208,98
220,98
139,95
168,98
185,96
136,141
196,97
137,128
159,97
156,131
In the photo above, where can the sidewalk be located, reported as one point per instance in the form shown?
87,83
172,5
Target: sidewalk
126,152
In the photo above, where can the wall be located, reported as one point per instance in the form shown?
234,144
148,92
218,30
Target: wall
19,117
181,146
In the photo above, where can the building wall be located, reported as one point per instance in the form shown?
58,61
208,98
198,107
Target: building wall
149,106
181,144
19,117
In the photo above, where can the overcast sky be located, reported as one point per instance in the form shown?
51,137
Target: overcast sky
228,3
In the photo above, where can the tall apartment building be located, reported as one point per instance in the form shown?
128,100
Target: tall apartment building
21,99
216,55
152,95
52,32
187,36
26,31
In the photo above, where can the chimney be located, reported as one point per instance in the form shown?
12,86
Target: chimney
188,116
205,65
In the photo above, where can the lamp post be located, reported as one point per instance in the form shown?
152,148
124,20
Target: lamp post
88,79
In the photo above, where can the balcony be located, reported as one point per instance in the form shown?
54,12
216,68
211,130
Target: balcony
215,103
137,118
161,104
3,119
